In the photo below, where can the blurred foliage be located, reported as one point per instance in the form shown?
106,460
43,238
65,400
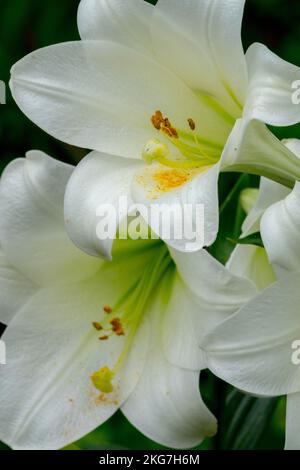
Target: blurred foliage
244,422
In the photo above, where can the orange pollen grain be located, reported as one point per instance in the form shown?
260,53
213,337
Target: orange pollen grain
171,179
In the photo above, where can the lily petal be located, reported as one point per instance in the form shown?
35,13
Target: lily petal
115,20
252,148
251,261
204,294
32,224
293,145
101,95
166,405
201,42
270,88
200,190
253,350
269,193
280,229
97,181
292,441
15,289
47,397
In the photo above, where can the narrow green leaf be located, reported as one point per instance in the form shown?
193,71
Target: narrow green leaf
246,420
254,239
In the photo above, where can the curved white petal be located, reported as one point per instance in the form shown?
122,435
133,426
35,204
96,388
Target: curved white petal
252,148
96,192
47,397
203,295
280,229
166,405
127,23
101,95
292,433
251,262
293,145
15,290
32,231
201,42
269,193
253,350
176,215
270,93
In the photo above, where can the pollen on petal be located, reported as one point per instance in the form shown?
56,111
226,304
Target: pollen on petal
171,179
102,380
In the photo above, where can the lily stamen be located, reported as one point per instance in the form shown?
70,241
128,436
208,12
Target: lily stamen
130,309
193,157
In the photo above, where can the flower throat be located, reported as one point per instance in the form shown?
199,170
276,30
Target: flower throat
124,318
194,151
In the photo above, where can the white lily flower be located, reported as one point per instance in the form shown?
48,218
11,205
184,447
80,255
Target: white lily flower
168,87
257,350
86,336
252,261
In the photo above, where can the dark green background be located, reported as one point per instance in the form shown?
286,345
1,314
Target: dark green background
245,422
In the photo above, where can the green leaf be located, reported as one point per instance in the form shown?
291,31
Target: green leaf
254,239
246,420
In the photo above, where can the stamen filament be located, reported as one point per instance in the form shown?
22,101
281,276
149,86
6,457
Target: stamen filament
127,314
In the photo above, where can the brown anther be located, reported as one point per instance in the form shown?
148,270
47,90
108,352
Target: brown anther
162,123
192,124
174,132
170,132
103,338
97,326
157,120
167,131
107,309
166,123
117,327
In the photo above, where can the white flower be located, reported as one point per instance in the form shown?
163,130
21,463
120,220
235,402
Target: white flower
169,88
251,261
254,349
86,337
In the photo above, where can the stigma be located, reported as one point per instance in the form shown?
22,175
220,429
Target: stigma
102,380
190,151
155,151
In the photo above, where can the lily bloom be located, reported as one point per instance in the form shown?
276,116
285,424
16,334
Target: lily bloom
166,99
257,350
87,336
